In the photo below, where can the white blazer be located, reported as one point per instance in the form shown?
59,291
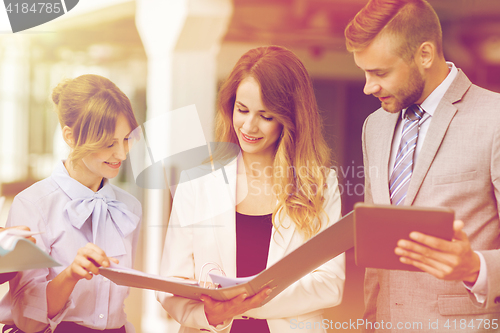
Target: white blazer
202,229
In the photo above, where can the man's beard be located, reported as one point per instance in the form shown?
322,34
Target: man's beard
408,94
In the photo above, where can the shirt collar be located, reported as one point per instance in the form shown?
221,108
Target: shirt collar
430,104
74,189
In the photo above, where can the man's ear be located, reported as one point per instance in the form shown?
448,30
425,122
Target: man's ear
67,133
426,54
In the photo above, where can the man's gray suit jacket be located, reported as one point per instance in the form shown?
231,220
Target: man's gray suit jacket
458,167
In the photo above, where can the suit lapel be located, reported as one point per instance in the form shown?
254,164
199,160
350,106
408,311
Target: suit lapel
385,128
225,224
280,241
441,120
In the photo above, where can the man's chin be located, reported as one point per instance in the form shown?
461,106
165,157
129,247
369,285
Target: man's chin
391,108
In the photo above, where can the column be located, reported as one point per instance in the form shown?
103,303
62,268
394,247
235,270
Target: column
182,39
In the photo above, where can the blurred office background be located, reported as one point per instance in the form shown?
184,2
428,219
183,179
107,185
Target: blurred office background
169,54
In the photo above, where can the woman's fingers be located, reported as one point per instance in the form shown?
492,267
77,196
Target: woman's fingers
21,227
26,228
88,260
95,254
218,312
116,261
88,264
82,272
258,298
81,267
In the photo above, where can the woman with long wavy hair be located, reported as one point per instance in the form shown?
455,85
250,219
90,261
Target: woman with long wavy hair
284,193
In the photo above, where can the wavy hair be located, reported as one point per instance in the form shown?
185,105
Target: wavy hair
302,157
90,105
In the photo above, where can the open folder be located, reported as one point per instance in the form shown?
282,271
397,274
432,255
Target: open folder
326,245
372,229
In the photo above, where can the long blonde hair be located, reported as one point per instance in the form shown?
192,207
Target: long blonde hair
90,105
302,156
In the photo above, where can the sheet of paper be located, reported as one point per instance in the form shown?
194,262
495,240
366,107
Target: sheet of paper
225,281
24,255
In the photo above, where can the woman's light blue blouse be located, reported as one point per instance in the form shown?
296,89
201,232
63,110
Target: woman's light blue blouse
70,215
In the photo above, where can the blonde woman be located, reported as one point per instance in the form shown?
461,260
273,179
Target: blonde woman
285,194
85,221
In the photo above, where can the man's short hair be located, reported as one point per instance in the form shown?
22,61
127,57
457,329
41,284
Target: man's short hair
412,22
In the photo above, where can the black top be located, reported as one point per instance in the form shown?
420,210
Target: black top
253,235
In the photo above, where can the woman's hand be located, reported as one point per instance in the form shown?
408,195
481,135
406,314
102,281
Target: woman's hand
87,262
21,227
218,312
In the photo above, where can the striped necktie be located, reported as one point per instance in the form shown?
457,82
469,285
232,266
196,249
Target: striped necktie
403,165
